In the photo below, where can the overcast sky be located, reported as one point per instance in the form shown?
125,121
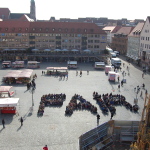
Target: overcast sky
112,9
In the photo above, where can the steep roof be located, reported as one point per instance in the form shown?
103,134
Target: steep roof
14,26
49,27
137,30
64,27
125,30
18,15
116,29
109,28
4,13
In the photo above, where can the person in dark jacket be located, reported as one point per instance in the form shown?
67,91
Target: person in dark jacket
3,123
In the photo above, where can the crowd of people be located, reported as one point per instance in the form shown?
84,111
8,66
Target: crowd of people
82,104
109,101
51,100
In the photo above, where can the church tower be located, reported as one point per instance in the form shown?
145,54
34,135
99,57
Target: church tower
32,10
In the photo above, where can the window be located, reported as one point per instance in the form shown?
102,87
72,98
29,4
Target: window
53,29
26,29
6,29
33,29
40,29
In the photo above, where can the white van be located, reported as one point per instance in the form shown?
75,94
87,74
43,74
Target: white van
117,53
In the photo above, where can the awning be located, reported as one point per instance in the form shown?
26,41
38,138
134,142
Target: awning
26,73
9,102
56,68
5,88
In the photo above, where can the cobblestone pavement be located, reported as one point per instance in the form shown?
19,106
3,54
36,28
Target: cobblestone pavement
54,128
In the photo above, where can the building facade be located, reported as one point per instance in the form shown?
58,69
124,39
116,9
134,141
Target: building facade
120,40
51,35
145,44
134,42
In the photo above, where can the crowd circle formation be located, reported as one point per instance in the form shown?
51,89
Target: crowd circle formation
83,104
107,102
51,100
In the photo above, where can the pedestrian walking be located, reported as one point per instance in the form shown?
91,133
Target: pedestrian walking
87,72
143,75
21,120
66,76
135,89
45,147
42,72
118,79
146,92
141,94
98,118
119,87
120,68
76,72
3,123
112,114
122,83
143,86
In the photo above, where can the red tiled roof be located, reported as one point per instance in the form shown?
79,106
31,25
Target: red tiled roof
50,27
65,27
5,12
14,26
116,29
125,30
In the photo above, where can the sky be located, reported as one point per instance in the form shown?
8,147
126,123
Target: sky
112,9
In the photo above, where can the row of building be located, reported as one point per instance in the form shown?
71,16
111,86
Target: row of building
133,42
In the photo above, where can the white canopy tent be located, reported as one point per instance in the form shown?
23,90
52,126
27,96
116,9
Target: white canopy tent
9,102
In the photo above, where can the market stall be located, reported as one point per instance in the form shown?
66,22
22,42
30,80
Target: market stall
8,105
57,70
72,64
112,76
5,91
18,76
6,64
33,64
108,68
99,65
18,64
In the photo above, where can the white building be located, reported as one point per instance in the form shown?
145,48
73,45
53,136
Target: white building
145,44
134,42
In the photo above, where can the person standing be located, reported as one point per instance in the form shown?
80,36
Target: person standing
3,123
143,75
21,120
45,147
98,118
141,94
87,72
118,78
112,114
119,87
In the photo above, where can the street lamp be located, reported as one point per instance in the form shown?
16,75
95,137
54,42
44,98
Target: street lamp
32,90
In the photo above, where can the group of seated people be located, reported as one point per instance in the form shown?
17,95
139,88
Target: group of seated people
82,104
51,100
109,101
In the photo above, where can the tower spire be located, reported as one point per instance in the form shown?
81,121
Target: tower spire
33,10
